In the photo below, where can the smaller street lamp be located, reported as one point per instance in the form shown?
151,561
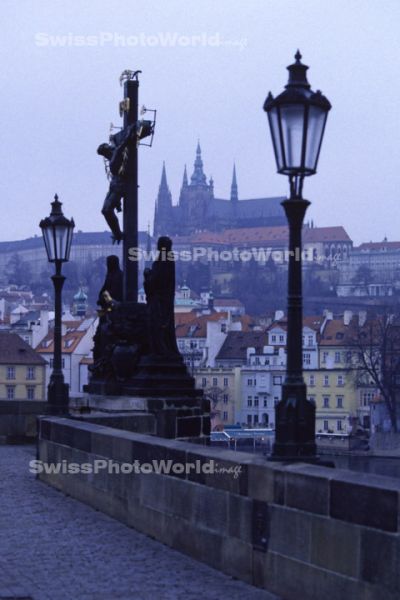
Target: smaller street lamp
57,233
297,119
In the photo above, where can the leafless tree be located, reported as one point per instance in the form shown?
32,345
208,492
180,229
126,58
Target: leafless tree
376,358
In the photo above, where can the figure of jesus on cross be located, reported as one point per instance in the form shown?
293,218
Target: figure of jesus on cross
122,156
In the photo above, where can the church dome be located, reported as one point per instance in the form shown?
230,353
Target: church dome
80,296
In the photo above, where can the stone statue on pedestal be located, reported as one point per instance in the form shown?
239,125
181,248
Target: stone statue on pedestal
159,285
109,295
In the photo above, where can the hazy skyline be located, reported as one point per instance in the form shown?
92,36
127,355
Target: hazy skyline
59,95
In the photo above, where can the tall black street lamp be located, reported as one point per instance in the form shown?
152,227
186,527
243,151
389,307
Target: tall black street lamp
297,119
57,235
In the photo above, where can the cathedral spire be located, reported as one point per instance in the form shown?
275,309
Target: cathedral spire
163,183
234,187
163,207
198,177
185,178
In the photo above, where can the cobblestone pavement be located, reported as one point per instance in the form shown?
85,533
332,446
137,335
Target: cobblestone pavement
56,548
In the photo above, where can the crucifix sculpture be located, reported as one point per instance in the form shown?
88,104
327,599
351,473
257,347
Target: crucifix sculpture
122,156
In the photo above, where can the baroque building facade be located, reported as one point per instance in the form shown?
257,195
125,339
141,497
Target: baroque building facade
198,209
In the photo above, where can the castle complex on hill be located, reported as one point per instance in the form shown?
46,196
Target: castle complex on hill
198,209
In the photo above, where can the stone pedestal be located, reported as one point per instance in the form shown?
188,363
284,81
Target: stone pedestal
135,390
178,417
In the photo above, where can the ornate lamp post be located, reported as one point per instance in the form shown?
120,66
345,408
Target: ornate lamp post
57,233
297,119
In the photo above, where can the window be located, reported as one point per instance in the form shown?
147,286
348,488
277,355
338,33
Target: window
225,382
30,373
203,382
30,392
265,403
326,401
337,357
223,328
340,380
257,360
312,380
326,425
226,398
249,401
277,380
273,338
11,392
255,400
225,416
249,382
310,339
282,338
326,380
10,372
248,419
312,399
339,425
366,398
325,356
307,358
339,401
255,419
215,381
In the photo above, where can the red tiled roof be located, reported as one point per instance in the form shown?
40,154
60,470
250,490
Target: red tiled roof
196,326
313,322
228,302
382,246
263,235
336,333
325,234
86,360
69,342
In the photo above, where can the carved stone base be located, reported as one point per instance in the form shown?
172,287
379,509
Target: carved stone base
183,417
123,363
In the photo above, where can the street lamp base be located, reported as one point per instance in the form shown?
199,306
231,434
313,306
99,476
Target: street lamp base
295,426
58,397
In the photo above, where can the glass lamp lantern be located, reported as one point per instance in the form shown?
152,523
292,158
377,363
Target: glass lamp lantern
297,119
57,233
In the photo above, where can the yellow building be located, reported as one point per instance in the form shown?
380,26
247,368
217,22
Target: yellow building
22,370
222,387
333,385
335,396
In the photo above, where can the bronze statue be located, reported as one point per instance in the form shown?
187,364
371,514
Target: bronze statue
117,154
159,285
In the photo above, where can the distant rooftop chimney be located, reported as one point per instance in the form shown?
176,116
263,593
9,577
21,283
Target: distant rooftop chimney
348,315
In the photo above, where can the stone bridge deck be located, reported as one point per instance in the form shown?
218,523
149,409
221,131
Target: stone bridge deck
56,548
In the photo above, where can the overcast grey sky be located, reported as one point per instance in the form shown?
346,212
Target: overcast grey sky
57,102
